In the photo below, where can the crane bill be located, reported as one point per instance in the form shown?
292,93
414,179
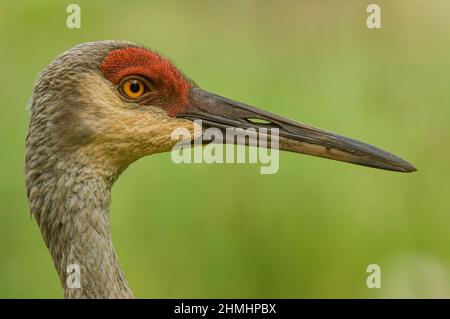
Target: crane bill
223,113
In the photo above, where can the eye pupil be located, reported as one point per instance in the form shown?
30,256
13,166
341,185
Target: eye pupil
135,87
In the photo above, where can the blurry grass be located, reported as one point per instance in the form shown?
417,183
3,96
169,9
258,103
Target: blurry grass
225,230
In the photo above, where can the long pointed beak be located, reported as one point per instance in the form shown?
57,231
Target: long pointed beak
221,112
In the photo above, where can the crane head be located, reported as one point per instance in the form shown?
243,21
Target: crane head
115,102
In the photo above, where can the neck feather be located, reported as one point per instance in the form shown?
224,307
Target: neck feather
71,205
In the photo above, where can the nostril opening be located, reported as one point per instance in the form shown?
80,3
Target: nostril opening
258,121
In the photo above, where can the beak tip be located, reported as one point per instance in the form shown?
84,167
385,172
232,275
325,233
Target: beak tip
407,167
411,169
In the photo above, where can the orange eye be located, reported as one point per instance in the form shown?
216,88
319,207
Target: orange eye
133,88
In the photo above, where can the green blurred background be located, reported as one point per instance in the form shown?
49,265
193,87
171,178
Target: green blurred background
224,230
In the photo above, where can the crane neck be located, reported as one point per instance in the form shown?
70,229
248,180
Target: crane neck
72,210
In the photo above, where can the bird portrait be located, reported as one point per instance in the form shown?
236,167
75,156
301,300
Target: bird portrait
101,106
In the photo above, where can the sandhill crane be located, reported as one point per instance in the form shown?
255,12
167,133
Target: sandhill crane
100,106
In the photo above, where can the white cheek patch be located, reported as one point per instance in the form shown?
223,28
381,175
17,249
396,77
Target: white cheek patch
133,129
